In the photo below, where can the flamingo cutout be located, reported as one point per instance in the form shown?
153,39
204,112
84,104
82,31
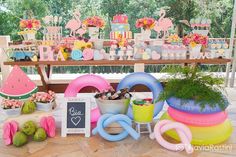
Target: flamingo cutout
82,30
74,24
163,24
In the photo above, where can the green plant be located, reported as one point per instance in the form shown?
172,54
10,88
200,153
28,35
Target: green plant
188,83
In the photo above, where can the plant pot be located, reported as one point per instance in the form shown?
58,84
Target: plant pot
93,32
143,114
113,106
12,112
146,34
29,36
45,106
195,51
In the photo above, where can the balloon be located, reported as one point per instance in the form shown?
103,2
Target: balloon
197,119
84,81
191,107
142,78
181,129
204,135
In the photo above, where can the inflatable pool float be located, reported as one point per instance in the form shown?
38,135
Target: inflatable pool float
204,135
142,78
191,107
197,119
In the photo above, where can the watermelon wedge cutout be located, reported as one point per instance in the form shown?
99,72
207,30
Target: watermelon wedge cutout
18,85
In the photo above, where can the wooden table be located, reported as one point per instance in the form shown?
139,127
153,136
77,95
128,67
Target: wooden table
40,65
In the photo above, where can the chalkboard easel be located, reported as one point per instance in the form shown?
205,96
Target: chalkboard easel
76,117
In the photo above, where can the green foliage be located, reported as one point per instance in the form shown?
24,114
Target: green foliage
187,83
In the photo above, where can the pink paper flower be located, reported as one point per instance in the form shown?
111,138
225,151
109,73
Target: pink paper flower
49,125
9,130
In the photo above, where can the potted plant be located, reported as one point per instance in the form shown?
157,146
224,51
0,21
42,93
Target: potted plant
12,107
29,28
194,92
146,24
45,101
195,43
93,24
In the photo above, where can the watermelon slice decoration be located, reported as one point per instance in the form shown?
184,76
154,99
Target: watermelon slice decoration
18,85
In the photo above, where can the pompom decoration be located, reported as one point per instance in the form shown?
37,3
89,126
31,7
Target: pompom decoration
88,54
9,129
49,125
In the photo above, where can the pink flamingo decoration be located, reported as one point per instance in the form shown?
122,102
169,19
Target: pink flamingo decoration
163,24
74,24
82,30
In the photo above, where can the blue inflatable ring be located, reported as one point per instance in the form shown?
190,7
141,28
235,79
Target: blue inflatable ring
191,107
142,78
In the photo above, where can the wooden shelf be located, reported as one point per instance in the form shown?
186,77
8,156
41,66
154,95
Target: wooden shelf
119,62
45,75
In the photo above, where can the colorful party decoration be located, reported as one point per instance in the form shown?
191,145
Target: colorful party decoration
46,53
124,121
182,130
192,107
49,125
98,55
142,78
76,55
197,119
74,24
84,81
163,24
9,129
88,54
18,85
204,135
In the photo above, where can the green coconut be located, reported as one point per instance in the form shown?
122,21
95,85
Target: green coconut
29,128
40,135
28,107
19,139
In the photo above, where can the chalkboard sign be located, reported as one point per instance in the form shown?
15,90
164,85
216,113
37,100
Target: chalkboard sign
76,117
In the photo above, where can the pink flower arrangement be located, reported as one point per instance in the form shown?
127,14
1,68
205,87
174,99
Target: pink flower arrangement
194,39
145,23
30,24
94,21
11,104
43,97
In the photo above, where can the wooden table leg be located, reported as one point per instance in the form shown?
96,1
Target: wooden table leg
45,85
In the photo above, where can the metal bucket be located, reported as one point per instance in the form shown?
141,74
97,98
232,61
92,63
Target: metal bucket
113,106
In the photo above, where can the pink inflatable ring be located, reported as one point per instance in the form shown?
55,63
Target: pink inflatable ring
85,81
197,119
